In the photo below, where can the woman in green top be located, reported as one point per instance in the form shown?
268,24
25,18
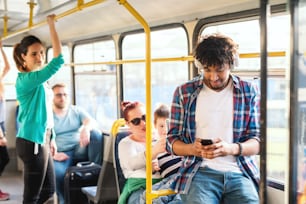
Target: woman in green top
35,114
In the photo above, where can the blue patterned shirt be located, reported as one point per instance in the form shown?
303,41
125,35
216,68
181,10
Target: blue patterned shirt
183,126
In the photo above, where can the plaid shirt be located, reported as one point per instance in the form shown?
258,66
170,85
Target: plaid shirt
183,127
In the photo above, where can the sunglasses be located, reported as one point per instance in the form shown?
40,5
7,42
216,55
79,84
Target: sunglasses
136,121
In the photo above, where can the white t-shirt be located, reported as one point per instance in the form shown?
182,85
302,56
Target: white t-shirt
67,128
214,119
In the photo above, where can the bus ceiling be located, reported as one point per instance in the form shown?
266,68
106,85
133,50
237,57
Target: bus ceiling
106,17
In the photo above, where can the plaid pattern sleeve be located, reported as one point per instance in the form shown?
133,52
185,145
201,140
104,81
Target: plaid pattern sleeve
182,127
247,123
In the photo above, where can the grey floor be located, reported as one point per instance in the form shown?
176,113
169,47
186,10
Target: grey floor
11,182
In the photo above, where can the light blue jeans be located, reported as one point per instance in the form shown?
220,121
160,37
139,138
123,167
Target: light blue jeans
163,185
214,187
93,152
139,196
134,198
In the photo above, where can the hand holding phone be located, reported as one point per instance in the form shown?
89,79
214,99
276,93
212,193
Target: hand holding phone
205,142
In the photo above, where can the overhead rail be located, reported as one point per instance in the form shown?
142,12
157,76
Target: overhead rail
31,5
79,6
5,18
173,59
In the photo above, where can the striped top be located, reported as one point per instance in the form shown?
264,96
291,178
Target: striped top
169,164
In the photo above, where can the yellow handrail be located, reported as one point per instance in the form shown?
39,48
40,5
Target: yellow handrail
5,19
257,54
116,125
80,5
31,5
150,195
173,59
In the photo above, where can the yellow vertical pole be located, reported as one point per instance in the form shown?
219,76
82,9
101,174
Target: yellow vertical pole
31,5
80,3
148,99
5,19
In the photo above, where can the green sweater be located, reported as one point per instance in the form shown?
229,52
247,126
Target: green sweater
32,101
131,185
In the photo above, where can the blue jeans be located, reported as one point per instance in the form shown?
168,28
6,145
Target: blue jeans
93,152
134,198
213,187
163,185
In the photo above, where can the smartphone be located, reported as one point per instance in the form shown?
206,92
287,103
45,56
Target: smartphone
168,124
206,142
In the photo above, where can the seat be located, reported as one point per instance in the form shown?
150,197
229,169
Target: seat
119,131
105,191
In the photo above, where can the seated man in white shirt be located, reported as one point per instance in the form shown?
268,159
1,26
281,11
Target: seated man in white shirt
77,137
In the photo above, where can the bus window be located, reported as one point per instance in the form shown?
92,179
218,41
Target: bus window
64,74
98,96
165,76
100,51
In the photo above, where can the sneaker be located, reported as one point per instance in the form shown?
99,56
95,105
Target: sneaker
4,196
1,192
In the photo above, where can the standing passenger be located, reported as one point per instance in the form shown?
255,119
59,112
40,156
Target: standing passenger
4,157
35,114
219,106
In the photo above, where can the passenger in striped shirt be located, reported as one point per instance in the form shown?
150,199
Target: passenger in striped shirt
220,107
168,165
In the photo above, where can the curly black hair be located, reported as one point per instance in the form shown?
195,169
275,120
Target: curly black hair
216,50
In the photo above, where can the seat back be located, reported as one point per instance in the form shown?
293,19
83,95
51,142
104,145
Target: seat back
106,186
119,132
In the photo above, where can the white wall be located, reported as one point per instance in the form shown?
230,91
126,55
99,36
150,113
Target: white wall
14,164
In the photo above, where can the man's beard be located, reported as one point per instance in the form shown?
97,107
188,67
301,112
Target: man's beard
60,106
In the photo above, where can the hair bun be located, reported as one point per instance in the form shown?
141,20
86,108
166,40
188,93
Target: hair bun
125,104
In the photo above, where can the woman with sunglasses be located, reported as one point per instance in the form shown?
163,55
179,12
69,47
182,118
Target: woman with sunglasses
132,153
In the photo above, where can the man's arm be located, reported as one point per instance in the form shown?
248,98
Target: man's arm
182,149
249,147
6,67
87,125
